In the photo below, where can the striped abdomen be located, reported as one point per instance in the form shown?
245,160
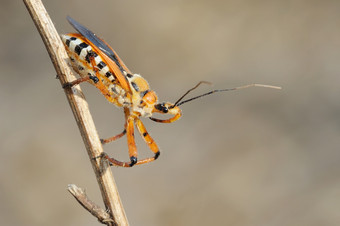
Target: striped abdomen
79,51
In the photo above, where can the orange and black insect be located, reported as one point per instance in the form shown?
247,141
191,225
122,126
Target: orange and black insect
96,62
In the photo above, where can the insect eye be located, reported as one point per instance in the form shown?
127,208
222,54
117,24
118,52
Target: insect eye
161,107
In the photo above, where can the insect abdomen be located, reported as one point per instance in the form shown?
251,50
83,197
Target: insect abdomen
80,52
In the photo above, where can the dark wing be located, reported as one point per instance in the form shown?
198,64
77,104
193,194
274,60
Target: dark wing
106,52
96,41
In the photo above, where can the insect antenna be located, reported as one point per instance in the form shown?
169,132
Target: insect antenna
198,84
178,103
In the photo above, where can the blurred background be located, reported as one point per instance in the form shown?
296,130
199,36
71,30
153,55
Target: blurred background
246,158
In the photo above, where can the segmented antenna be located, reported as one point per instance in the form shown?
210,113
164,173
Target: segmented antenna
178,103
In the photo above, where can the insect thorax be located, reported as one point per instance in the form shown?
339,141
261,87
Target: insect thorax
143,99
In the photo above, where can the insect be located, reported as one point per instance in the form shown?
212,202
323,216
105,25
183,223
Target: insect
97,63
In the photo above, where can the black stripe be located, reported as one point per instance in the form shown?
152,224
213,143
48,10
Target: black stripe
67,42
134,85
101,65
108,74
142,94
87,58
94,78
145,134
73,38
129,75
77,49
83,45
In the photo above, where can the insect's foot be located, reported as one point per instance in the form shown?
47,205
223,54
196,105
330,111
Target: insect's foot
133,161
157,155
102,155
67,85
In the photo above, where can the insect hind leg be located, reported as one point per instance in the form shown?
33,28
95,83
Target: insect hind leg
116,162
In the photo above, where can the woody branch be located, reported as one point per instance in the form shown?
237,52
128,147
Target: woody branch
80,110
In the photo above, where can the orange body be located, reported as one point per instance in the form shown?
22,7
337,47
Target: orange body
97,63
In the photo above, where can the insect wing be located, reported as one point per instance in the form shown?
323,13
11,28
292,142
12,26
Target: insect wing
89,35
109,55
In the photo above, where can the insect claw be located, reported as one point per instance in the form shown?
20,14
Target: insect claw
102,155
67,85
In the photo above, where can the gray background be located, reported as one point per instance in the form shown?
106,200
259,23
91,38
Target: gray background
245,158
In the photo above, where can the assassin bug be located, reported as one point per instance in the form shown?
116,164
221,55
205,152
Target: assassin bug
97,63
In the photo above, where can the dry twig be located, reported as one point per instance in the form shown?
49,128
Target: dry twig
80,110
93,208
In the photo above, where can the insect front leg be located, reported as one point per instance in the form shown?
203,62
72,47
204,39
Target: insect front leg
129,127
130,133
147,138
132,146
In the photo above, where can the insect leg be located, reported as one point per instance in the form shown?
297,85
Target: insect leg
80,80
129,126
85,79
99,84
170,120
108,140
147,138
130,133
126,164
